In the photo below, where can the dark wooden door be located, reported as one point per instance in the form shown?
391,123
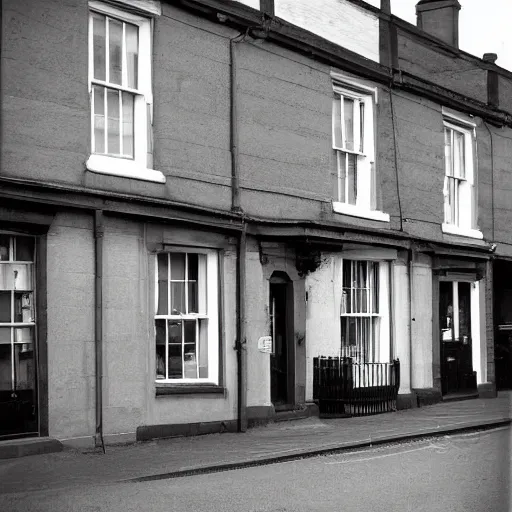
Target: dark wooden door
279,359
457,374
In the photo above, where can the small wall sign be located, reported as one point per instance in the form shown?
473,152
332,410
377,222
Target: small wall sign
265,344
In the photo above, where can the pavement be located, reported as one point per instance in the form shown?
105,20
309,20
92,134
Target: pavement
275,442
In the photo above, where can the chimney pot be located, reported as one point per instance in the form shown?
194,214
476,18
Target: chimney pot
385,6
490,57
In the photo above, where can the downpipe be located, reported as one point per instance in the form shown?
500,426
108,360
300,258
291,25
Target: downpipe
99,230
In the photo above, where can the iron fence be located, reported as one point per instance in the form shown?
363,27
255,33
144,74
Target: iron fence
343,388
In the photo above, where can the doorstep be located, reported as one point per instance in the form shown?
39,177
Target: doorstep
14,448
463,395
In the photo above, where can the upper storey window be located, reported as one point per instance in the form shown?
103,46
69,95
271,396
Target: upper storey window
353,140
121,93
460,173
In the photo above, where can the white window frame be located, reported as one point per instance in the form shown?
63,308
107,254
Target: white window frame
365,206
119,166
466,186
383,345
210,314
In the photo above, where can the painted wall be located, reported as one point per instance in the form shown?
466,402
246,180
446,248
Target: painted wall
338,21
70,314
129,350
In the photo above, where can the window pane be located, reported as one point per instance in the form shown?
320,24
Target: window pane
132,57
163,308
190,361
113,141
342,176
192,297
175,361
175,350
177,266
448,151
98,29
5,307
23,335
5,366
99,118
458,155
23,307
352,179
160,332
203,349
192,284
4,247
128,102
375,288
336,114
5,335
190,331
15,276
177,298
24,248
24,367
115,47
160,348
348,115
361,127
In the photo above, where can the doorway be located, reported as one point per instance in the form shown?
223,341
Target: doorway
282,356
457,375
18,368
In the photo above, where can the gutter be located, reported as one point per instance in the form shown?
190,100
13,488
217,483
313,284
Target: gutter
99,231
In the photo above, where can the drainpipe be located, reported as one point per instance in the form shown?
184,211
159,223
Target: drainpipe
98,323
411,319
241,354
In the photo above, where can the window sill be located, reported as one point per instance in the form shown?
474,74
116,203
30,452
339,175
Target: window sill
456,230
356,211
188,389
122,167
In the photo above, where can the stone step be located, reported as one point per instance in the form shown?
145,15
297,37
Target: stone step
13,448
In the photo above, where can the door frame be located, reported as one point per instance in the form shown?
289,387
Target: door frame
281,278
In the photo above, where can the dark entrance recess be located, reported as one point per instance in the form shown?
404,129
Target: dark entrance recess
281,325
503,323
457,375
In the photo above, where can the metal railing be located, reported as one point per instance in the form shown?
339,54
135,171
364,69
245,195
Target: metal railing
344,388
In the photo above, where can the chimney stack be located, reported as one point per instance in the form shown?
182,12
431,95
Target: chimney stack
439,18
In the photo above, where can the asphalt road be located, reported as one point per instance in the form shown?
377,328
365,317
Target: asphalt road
466,473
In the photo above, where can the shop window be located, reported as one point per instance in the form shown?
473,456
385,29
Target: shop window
186,320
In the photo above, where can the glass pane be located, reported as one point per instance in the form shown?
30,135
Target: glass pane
24,367
348,114
4,247
98,29
458,155
448,151
352,179
5,307
5,335
190,331
192,297
162,308
128,102
113,142
342,176
99,118
464,312
15,276
115,47
24,248
190,361
192,266
361,127
375,288
160,361
23,335
160,332
132,50
174,327
175,362
178,266
23,307
336,114
203,349
177,298
5,367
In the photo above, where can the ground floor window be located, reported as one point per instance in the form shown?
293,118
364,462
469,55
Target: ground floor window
18,394
364,315
186,320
